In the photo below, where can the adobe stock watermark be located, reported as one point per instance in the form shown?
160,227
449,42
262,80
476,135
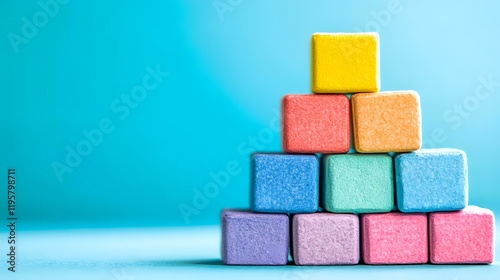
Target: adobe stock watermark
223,6
463,110
121,108
299,273
122,275
379,19
31,26
383,17
222,178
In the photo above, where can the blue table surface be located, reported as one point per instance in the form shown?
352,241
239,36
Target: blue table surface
181,253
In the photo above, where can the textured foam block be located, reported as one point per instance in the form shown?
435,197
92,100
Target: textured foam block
345,62
386,122
356,183
325,239
431,180
466,236
394,238
254,238
316,124
285,183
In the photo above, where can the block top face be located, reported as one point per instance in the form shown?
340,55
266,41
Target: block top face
470,210
345,62
387,122
325,239
434,153
250,216
394,238
255,239
320,218
432,180
393,217
465,236
316,123
358,183
284,183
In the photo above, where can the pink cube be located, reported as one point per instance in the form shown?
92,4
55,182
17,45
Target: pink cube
466,236
394,238
325,239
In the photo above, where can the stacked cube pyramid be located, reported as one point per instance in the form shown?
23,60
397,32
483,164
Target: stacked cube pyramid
406,207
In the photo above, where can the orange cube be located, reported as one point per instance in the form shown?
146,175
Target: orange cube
387,122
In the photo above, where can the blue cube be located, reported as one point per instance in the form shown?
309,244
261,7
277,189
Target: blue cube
284,183
431,180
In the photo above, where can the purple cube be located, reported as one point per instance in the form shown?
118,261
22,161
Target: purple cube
255,238
325,239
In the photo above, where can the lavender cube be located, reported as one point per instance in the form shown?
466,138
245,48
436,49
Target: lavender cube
255,238
325,239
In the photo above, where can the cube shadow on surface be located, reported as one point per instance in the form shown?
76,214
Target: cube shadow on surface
394,238
431,180
316,123
325,239
255,238
386,122
463,237
356,183
345,62
284,183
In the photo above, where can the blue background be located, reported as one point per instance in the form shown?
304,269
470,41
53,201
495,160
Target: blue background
227,73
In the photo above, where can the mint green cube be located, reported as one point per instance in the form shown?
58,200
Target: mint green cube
356,183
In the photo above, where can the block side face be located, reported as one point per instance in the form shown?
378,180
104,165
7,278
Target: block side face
365,238
345,63
432,238
317,85
462,238
316,124
398,171
327,184
326,239
429,182
296,221
396,238
354,114
255,239
285,183
360,113
284,121
224,241
360,183
387,122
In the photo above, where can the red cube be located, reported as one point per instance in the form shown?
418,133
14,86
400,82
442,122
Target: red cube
466,236
316,124
394,238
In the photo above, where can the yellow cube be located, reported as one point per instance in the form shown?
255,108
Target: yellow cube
345,62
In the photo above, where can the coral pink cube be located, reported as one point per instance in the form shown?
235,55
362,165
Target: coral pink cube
466,236
316,124
394,238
